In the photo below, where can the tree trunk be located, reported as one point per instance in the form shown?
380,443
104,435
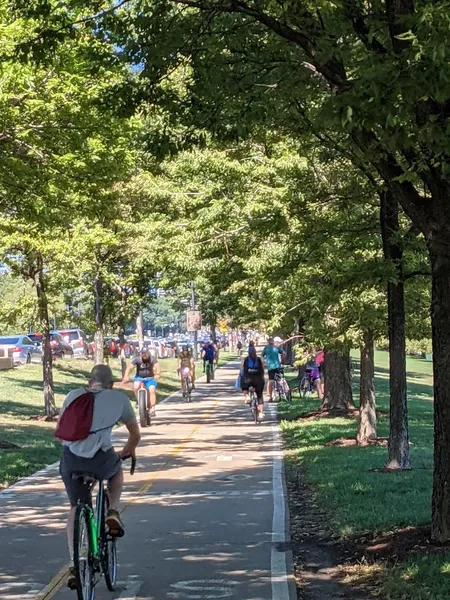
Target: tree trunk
140,327
338,390
367,429
47,362
213,329
440,317
398,448
99,337
123,360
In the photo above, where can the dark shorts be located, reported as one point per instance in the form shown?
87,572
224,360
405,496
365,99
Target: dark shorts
103,465
257,382
272,373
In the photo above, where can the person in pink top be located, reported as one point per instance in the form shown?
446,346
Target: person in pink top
320,358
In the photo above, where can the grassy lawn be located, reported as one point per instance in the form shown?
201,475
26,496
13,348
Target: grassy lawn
21,400
358,501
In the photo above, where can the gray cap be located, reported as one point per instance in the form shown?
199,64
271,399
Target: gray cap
102,375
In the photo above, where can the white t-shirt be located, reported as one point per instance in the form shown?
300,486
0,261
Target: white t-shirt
110,407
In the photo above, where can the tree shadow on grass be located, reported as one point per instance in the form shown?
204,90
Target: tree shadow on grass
17,409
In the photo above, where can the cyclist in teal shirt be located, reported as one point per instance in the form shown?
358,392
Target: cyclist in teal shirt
273,355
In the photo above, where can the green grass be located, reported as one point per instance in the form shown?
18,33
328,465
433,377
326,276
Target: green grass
21,400
357,500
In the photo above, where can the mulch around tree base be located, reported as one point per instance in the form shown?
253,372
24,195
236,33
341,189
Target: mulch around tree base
8,446
399,544
43,418
325,413
353,442
321,559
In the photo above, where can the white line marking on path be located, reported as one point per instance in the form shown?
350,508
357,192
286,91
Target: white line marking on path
131,590
214,588
279,577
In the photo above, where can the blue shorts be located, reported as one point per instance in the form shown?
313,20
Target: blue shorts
148,381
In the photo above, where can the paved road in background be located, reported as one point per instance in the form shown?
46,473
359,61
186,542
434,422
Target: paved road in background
205,512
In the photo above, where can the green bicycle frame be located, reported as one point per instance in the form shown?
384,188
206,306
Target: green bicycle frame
95,520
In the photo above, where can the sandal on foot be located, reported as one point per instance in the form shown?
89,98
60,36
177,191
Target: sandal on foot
114,523
72,581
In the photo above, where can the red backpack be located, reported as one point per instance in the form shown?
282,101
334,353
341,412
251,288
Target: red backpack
76,421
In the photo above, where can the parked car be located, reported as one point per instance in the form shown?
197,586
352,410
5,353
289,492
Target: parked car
77,340
60,348
24,350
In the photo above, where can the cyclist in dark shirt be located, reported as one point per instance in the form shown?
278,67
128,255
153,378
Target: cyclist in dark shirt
208,354
253,375
147,372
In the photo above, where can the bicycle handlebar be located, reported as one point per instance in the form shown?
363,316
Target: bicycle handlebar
133,462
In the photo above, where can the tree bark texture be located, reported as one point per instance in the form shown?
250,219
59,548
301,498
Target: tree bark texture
47,362
140,327
123,360
440,313
367,429
99,336
338,390
398,447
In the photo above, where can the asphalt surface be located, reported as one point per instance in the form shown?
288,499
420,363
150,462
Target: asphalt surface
204,513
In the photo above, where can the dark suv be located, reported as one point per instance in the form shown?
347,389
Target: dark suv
60,348
77,340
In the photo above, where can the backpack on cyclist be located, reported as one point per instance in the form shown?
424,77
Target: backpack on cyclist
209,353
76,421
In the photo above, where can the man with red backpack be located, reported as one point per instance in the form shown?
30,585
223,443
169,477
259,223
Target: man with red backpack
85,425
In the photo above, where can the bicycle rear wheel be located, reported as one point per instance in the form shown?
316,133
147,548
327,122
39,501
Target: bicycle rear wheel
208,373
144,413
83,554
304,388
188,389
279,389
108,549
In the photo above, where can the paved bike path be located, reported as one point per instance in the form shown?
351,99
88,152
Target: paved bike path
204,514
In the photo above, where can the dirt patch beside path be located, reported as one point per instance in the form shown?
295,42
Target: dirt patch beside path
322,562
318,557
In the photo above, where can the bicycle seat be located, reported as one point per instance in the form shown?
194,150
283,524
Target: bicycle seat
86,478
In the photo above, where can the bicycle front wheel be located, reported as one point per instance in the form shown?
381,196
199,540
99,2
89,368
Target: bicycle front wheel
144,415
188,390
109,550
83,554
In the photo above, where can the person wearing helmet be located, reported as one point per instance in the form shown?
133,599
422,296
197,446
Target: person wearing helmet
253,375
273,356
185,361
147,372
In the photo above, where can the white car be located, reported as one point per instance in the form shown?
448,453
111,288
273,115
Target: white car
21,348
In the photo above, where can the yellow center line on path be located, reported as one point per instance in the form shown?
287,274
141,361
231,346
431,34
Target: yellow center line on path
59,579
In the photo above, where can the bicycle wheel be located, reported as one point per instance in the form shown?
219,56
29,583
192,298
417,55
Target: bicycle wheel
304,388
208,373
188,389
83,554
108,549
280,390
144,414
287,390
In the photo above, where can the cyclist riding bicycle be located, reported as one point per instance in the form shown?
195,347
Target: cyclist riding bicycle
95,453
147,373
273,356
253,376
208,355
185,361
